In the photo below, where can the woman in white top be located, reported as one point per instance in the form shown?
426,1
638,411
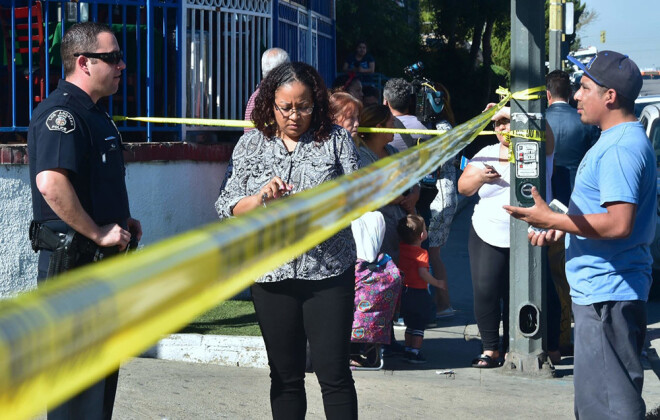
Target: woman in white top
487,174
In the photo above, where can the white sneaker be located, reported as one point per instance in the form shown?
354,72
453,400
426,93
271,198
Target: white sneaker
447,313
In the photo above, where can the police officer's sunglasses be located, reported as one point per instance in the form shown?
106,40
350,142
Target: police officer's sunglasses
112,57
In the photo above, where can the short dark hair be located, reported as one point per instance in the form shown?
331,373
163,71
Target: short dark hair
622,102
558,84
264,105
397,93
80,37
410,228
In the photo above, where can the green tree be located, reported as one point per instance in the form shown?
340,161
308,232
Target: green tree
390,31
502,33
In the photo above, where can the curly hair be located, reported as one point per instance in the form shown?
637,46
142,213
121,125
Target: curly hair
264,105
397,93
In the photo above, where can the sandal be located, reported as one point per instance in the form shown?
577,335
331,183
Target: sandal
489,362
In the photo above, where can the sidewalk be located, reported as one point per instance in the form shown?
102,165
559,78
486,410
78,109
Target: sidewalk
444,387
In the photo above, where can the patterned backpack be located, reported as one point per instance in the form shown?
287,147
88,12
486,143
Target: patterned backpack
377,289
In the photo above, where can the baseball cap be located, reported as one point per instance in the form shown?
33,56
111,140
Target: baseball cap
613,70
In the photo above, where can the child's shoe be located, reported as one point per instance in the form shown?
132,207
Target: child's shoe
415,358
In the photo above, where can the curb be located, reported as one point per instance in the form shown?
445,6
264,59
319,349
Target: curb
224,350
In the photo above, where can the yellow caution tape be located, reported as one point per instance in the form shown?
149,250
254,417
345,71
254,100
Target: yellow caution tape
535,135
244,123
523,95
188,121
66,335
400,131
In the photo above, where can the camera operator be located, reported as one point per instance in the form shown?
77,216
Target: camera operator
397,96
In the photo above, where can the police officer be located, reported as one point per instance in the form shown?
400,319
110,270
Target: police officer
77,178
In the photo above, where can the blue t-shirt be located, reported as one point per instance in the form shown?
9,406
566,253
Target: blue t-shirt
363,63
621,166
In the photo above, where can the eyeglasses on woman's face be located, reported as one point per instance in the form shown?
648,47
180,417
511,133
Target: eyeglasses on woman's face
302,112
501,123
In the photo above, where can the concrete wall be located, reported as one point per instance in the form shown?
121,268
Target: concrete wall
168,197
18,270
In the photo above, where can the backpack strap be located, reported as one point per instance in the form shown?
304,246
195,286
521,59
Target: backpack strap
407,138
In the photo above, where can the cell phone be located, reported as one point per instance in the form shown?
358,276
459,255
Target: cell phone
491,167
556,206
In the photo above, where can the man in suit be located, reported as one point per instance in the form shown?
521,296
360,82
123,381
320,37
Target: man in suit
572,137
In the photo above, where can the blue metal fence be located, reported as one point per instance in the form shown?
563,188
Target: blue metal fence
308,34
185,58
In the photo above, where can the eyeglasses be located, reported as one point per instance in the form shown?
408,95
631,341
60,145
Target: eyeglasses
286,112
501,122
112,57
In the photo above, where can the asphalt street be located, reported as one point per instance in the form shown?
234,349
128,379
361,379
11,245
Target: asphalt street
446,387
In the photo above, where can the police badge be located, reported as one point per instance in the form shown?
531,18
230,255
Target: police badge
61,120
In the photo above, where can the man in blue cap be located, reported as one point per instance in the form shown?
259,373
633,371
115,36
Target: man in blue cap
610,225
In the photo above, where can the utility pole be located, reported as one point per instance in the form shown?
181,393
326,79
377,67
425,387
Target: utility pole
527,314
556,33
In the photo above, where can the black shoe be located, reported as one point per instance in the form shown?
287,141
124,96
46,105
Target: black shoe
394,349
415,358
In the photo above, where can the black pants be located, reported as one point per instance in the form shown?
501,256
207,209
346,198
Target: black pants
93,403
292,311
490,284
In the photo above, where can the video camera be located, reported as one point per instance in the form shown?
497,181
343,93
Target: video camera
429,102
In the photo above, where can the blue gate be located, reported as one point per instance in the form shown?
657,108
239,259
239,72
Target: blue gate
185,58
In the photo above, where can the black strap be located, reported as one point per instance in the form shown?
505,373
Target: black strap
407,138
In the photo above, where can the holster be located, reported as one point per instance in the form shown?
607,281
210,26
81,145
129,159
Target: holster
69,250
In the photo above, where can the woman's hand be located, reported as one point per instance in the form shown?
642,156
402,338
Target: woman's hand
474,177
276,188
489,174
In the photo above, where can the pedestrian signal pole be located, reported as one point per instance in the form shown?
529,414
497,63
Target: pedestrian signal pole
527,315
555,33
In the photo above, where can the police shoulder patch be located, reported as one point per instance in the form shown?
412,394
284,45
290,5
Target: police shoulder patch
61,120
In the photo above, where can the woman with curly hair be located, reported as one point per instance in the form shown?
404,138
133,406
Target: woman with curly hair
296,147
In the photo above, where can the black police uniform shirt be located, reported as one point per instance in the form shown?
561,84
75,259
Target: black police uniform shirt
69,131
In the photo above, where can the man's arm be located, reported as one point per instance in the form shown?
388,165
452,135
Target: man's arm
616,223
370,69
58,192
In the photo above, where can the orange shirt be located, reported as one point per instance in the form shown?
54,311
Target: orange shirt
410,259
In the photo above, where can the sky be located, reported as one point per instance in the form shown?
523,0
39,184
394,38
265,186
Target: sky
631,27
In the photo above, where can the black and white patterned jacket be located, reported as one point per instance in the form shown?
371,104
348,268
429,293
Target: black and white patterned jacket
257,159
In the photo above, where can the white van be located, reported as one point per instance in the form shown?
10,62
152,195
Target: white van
650,119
